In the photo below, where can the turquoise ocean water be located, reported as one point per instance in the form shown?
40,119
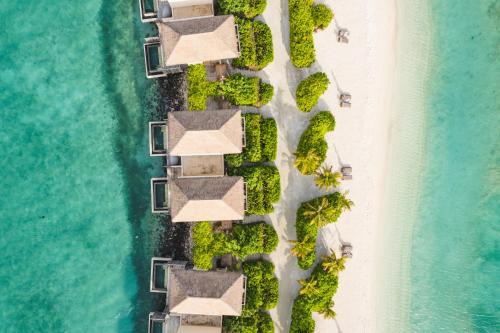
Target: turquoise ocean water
75,228
455,251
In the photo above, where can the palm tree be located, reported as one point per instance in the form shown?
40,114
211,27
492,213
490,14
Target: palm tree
320,213
326,178
331,264
308,287
302,249
345,203
307,164
327,312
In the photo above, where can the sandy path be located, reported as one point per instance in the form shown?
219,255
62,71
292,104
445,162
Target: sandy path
364,68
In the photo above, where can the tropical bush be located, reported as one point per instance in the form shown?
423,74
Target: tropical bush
245,8
237,89
261,141
266,93
256,45
310,90
304,18
268,139
249,322
316,295
262,294
311,216
198,87
326,178
312,147
301,33
262,285
322,16
244,240
263,187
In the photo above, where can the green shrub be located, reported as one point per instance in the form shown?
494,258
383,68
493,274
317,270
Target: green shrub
261,141
263,188
252,150
315,214
253,238
312,147
245,8
266,93
237,89
233,160
256,45
304,18
198,89
322,16
318,299
253,322
262,285
244,240
310,90
269,139
248,53
263,44
203,240
301,33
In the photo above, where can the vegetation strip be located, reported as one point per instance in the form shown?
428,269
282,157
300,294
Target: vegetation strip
261,141
310,90
312,147
237,89
311,216
316,295
304,19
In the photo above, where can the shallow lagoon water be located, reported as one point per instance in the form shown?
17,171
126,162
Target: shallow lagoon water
74,199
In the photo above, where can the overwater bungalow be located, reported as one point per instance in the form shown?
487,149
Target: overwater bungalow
188,33
196,187
195,300
200,198
188,133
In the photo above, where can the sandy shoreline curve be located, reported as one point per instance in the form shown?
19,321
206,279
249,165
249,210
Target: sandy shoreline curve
364,68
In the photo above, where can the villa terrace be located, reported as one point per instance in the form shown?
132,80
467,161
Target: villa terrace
169,10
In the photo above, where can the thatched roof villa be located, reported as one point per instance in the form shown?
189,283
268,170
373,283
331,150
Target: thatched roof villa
196,188
188,33
196,300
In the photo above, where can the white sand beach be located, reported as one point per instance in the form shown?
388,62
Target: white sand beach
364,68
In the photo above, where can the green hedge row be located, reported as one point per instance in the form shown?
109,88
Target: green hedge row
304,18
237,89
261,141
262,285
317,299
263,187
256,45
253,322
312,147
244,240
262,294
244,8
310,90
311,216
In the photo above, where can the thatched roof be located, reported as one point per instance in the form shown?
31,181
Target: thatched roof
198,40
205,133
205,293
206,199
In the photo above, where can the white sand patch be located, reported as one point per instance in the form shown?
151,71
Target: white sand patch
364,68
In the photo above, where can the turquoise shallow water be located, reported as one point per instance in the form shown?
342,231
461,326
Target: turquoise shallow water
455,256
74,223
